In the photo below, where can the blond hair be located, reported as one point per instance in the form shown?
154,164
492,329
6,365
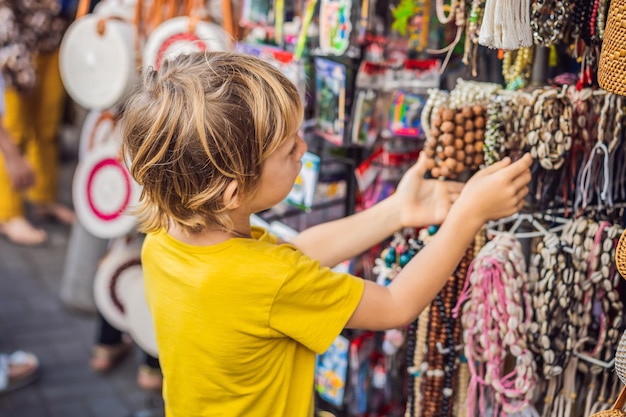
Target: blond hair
200,122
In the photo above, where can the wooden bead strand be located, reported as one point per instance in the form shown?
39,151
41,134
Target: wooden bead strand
456,143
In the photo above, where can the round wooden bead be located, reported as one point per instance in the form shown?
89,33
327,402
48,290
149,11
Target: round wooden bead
449,151
478,110
447,127
451,163
446,139
448,114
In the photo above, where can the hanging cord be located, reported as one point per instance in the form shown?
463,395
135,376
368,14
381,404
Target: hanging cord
457,10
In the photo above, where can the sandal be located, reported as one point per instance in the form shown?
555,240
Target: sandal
20,231
105,357
17,370
149,378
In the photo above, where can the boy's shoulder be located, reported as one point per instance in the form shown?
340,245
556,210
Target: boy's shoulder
262,246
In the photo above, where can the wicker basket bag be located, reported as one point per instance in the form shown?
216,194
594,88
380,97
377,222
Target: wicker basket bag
612,66
620,255
620,370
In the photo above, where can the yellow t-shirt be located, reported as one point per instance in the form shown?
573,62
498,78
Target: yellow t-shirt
238,323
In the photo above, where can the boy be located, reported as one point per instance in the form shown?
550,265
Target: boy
239,317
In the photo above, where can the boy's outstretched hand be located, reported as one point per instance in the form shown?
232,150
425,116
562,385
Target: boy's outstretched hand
494,192
425,201
497,191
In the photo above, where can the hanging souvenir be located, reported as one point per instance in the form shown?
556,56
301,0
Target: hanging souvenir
330,100
302,195
335,26
405,114
119,292
283,60
366,116
97,60
331,372
257,12
364,130
180,35
98,128
103,192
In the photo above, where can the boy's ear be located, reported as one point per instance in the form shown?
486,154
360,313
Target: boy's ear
231,195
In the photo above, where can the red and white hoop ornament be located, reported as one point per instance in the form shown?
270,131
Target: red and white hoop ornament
119,292
182,35
139,319
98,128
116,271
103,193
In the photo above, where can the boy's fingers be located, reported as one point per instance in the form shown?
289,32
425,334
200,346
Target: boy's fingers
419,167
495,167
519,166
522,179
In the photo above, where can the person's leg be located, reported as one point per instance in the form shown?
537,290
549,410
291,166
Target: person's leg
149,375
18,121
43,153
110,347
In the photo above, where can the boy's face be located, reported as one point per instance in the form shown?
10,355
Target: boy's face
279,174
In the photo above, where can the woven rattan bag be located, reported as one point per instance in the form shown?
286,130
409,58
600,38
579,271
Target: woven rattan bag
620,255
612,66
620,370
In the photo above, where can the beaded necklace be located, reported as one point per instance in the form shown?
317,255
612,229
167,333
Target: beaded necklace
517,73
495,317
548,19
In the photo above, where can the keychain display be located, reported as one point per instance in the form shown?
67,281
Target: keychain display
405,114
331,84
302,195
258,12
331,372
335,26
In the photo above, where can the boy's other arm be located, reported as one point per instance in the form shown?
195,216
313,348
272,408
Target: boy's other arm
416,202
333,242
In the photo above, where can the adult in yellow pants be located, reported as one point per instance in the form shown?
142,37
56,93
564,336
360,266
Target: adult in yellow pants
33,120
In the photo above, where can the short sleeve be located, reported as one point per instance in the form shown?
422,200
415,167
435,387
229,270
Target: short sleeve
314,304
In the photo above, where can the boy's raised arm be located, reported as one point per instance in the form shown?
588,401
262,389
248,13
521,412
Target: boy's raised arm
495,192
